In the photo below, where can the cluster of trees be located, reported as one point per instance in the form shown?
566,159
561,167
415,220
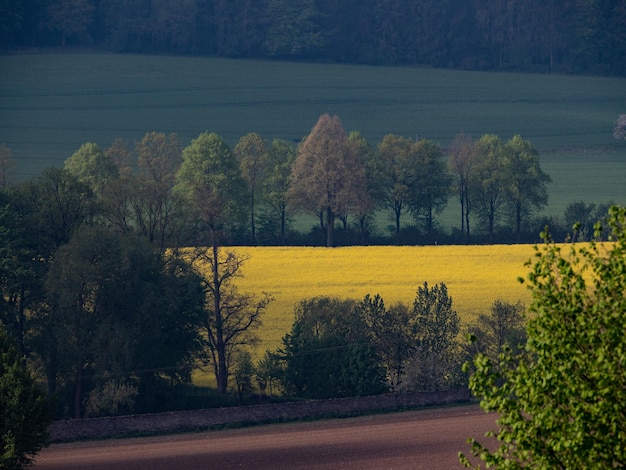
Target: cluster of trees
345,348
111,315
334,176
531,35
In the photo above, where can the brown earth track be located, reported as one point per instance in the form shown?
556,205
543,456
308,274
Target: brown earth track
423,439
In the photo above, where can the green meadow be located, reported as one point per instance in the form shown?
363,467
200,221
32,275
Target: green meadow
52,103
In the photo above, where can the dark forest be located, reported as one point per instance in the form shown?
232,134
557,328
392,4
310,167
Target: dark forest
538,36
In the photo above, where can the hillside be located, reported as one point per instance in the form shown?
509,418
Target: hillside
51,104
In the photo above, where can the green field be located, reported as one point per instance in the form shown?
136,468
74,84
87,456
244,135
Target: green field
51,104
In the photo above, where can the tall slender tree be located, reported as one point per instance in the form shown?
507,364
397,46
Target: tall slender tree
397,163
526,189
429,196
209,177
436,363
254,159
488,183
460,164
156,206
275,187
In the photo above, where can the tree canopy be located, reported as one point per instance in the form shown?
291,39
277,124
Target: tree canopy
328,175
561,401
562,36
328,354
26,411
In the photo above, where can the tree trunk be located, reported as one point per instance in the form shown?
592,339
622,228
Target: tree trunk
467,219
462,215
518,221
78,389
330,227
221,376
252,225
283,216
397,213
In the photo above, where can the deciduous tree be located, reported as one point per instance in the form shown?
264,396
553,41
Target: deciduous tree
210,180
328,352
460,164
488,182
26,411
398,170
156,207
561,402
503,327
294,29
364,209
276,186
90,165
254,161
431,190
328,176
231,316
526,181
393,334
436,364
119,311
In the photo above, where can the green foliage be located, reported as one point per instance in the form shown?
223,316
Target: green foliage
503,328
92,166
397,169
254,163
25,411
488,180
562,401
118,310
294,29
210,179
111,399
328,354
244,371
436,363
581,218
430,193
392,333
526,189
275,186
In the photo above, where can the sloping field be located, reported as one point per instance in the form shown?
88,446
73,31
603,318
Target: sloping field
475,277
50,104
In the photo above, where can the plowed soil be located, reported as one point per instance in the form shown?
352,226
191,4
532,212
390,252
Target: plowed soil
424,439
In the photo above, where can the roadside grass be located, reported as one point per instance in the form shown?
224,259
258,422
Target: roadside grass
50,104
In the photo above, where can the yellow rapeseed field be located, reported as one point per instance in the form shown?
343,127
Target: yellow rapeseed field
475,277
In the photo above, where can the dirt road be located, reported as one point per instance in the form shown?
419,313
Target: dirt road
425,439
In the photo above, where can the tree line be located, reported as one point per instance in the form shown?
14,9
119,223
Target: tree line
563,36
350,186
346,347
